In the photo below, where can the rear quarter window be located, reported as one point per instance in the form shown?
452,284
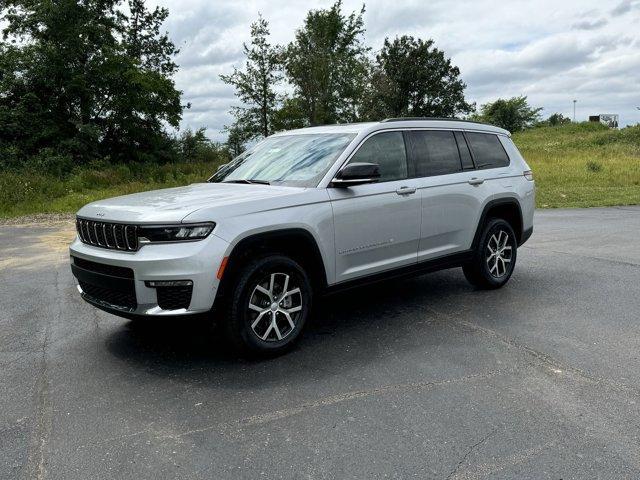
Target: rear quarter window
488,151
465,155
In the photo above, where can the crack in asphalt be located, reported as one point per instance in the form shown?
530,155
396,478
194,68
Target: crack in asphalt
275,415
485,470
596,427
468,452
542,357
42,429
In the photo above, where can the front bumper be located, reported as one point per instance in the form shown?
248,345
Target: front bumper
195,261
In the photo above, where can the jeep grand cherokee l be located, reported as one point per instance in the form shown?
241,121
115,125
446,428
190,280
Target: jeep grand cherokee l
305,212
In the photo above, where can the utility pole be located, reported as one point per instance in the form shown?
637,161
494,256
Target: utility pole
574,111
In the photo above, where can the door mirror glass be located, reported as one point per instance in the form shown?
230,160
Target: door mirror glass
357,173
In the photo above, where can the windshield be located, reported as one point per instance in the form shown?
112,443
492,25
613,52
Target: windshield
297,160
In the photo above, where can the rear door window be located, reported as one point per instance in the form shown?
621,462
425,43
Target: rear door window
487,150
435,152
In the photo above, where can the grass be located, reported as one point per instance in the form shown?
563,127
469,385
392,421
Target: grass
583,165
24,193
577,165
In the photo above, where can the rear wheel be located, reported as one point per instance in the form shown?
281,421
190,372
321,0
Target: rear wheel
269,306
495,256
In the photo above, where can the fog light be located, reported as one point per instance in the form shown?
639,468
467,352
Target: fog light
168,283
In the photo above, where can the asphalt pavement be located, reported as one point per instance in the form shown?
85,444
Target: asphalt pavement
424,378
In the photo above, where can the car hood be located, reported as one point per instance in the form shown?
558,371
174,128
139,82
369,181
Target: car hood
174,204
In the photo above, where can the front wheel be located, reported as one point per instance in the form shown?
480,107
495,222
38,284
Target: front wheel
495,256
269,306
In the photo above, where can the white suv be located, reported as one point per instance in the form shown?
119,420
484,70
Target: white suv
306,212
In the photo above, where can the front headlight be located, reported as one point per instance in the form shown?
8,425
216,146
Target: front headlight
174,233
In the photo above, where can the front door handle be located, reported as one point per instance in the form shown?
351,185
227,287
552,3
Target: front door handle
476,181
405,190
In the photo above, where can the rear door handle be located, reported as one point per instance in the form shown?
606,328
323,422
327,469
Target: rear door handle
405,190
476,181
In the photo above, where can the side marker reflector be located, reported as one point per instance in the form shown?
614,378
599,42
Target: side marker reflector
223,265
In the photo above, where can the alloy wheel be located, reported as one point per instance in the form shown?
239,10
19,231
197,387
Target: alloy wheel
499,254
275,306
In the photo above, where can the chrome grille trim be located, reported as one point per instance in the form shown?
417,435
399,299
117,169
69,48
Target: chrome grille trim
98,234
95,232
115,237
85,225
79,228
106,238
126,237
90,231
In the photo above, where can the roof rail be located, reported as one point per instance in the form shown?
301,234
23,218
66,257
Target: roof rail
409,119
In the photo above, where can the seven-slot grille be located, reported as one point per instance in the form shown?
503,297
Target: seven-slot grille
116,236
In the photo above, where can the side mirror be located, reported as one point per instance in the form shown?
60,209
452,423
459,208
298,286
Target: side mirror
357,174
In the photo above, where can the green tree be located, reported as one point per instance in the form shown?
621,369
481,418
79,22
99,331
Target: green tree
255,86
513,114
413,78
145,97
237,138
86,79
195,146
327,65
558,119
290,115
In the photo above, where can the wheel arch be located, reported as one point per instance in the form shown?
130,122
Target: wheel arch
506,208
296,243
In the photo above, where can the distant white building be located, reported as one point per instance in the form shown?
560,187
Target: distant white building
611,120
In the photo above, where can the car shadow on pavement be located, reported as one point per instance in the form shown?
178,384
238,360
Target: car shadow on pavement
347,330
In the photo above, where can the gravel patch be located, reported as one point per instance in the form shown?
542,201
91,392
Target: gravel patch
39,219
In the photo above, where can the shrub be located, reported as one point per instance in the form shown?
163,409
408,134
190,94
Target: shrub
16,188
48,161
593,166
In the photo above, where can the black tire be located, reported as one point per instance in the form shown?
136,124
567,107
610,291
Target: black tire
486,270
241,325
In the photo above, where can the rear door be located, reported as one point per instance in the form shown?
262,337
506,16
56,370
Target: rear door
450,199
377,226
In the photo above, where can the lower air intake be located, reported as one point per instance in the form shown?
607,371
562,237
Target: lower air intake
174,298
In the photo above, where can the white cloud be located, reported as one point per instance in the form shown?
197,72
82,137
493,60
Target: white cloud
551,51
590,24
625,6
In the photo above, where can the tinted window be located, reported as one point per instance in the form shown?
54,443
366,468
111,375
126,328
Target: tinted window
463,148
487,150
387,150
436,153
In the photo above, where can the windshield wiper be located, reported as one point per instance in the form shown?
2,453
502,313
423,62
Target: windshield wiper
244,180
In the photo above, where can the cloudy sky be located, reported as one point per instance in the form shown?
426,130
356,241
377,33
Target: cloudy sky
553,51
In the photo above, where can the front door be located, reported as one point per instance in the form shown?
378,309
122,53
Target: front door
377,225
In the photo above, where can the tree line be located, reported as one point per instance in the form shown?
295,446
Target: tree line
328,75
84,80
